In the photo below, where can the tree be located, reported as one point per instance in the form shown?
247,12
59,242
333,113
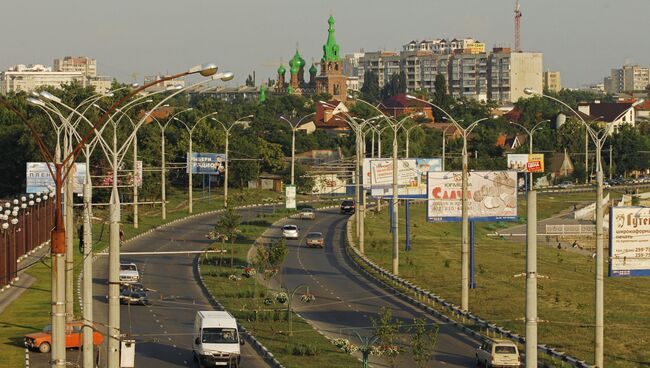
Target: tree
370,89
386,329
441,96
277,252
250,81
271,155
395,86
423,342
228,228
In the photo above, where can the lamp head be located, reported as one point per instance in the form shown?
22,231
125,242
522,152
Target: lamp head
48,96
529,91
5,226
208,69
35,101
411,97
24,205
31,203
14,221
224,77
15,201
38,200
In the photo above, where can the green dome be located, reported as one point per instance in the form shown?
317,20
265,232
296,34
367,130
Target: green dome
312,69
296,63
281,69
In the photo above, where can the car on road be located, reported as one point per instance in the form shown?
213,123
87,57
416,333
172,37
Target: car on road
134,296
307,213
498,353
216,339
42,341
347,207
315,240
129,273
290,231
565,185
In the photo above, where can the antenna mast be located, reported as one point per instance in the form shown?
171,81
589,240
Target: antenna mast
517,27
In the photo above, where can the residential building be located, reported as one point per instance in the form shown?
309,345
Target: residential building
442,46
628,79
611,113
232,93
526,69
163,84
83,64
27,78
552,81
382,63
401,105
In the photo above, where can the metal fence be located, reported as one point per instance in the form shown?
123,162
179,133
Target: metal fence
573,229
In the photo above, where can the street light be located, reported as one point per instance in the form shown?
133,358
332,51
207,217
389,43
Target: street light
241,121
294,127
464,251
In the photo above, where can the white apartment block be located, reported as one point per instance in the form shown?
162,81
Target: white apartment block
22,78
526,71
87,66
164,84
442,46
630,78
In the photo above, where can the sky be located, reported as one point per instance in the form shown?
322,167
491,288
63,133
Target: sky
583,39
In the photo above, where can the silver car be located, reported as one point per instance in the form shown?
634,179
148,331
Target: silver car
290,231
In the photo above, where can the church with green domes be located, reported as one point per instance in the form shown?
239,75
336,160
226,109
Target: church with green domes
330,80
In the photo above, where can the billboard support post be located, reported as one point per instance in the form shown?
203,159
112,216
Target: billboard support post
472,251
408,226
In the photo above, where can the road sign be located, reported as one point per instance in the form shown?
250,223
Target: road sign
39,177
533,163
290,193
207,163
492,196
411,176
629,241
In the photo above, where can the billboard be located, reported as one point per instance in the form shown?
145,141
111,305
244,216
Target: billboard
492,196
329,184
206,163
533,163
39,178
290,193
411,176
629,241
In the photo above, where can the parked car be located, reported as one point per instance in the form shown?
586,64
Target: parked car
315,239
134,296
129,273
498,353
347,207
307,213
565,185
42,341
290,231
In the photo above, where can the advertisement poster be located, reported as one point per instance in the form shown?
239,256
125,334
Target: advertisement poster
526,163
492,196
411,176
206,163
629,241
39,178
290,193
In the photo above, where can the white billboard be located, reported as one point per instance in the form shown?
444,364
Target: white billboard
329,184
290,192
39,178
629,241
492,196
411,176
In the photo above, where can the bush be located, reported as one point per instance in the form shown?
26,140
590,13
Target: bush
301,350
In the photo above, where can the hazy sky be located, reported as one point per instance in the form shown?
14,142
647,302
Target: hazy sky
583,39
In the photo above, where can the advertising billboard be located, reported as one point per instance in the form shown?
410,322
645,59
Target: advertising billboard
411,176
39,177
290,193
533,163
207,163
629,241
329,184
492,196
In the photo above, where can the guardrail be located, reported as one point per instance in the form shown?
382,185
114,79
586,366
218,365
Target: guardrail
421,296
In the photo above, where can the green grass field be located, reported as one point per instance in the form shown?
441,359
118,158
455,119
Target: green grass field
244,297
565,295
32,310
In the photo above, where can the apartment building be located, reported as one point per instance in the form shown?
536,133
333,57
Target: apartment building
629,78
163,84
552,81
83,64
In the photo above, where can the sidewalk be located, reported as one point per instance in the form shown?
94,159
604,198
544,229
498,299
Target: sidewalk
13,291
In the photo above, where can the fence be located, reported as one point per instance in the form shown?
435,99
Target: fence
566,229
26,224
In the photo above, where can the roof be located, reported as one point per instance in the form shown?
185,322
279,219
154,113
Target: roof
608,111
645,105
401,101
159,113
557,161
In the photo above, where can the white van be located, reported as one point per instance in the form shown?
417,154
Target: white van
216,339
129,273
498,353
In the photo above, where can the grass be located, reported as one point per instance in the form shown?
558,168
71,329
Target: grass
31,311
306,348
565,298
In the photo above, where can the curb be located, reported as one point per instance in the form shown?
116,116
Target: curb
360,260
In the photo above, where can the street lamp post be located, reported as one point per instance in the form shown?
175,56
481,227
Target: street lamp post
227,128
294,128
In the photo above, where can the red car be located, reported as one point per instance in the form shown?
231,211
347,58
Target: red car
42,341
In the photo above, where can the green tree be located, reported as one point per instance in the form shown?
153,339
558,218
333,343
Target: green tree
277,252
423,342
395,86
387,329
228,227
271,156
370,90
250,82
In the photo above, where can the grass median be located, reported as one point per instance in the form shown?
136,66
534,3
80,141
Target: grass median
565,291
31,311
244,298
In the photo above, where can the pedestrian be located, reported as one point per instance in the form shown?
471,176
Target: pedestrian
80,234
575,244
121,236
559,245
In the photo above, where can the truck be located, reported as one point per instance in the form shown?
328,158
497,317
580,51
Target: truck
216,339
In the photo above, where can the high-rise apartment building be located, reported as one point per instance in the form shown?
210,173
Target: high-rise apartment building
83,64
552,81
630,78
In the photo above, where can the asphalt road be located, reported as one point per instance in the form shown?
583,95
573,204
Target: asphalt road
346,300
162,330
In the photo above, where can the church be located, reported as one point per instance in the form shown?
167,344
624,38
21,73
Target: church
330,80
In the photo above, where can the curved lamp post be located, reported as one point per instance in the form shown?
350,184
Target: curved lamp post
294,127
227,127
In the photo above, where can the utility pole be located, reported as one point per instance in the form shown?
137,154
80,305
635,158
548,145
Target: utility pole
394,207
88,359
69,223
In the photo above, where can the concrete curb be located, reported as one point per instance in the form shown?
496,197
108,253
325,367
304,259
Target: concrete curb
422,295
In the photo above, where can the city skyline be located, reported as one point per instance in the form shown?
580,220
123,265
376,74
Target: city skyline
247,36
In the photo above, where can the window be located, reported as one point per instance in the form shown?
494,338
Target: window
505,349
219,336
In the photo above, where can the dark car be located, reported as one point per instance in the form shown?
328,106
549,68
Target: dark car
347,207
133,296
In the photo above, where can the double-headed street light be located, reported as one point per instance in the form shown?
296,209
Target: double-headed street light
294,127
227,127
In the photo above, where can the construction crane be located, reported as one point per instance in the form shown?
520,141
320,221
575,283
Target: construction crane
517,27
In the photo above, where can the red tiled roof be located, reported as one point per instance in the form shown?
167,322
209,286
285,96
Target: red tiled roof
401,101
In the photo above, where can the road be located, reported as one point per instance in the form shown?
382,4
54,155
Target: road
162,330
345,299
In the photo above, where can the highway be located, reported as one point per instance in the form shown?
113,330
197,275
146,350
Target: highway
345,299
